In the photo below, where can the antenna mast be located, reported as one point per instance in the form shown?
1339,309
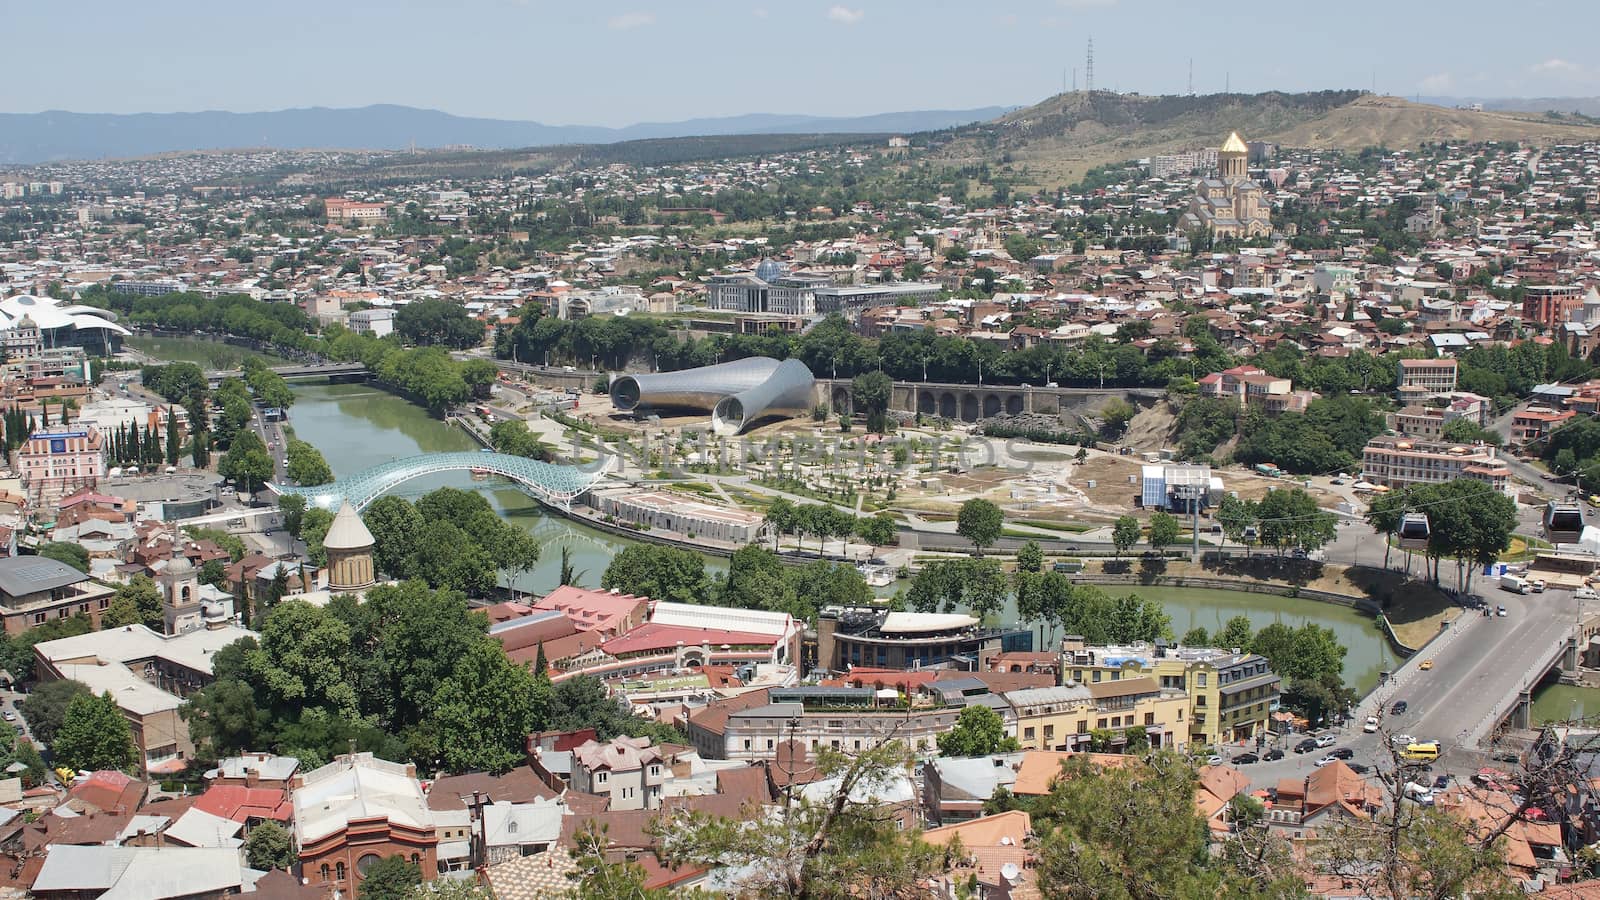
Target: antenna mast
1191,76
1088,70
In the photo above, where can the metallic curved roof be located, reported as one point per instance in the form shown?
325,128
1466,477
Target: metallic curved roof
551,484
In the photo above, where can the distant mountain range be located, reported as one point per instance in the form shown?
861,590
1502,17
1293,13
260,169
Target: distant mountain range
53,135
1588,106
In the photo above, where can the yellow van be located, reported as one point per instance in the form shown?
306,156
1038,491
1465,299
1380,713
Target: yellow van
1423,752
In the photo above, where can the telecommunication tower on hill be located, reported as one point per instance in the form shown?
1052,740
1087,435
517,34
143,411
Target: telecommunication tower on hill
1088,68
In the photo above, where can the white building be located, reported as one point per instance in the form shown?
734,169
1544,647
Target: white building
377,322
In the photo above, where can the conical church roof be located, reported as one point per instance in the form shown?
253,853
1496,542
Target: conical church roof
1234,144
347,532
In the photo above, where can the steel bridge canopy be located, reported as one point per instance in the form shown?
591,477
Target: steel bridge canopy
552,484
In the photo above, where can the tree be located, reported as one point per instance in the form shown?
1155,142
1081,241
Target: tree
871,392
877,530
173,444
293,507
269,847
1163,530
94,736
842,844
513,437
441,322
780,519
390,878
142,594
395,525
658,572
1236,632
46,707
314,525
978,731
305,464
479,374
246,462
1235,515
980,522
1030,558
484,711
73,555
1124,534
122,611
1115,416
1086,851
199,448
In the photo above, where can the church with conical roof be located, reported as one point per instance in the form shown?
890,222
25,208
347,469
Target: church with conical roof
1230,205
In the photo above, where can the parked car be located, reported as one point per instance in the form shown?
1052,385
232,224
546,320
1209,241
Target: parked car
1328,760
1342,752
1441,782
1306,746
1327,740
1401,740
1399,708
1501,611
1273,755
1585,593
1426,665
1358,768
1245,759
1371,725
1213,760
9,716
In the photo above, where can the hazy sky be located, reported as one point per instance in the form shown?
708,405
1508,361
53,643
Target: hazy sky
614,63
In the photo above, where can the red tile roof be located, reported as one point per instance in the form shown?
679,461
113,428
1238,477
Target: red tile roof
241,803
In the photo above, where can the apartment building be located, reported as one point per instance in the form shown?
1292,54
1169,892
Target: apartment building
1548,305
627,770
148,674
1533,423
376,322
1398,462
1063,717
342,210
36,589
1230,696
1426,376
1252,386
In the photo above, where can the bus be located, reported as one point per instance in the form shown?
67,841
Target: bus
1421,751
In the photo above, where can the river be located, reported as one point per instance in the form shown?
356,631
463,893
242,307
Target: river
208,355
357,426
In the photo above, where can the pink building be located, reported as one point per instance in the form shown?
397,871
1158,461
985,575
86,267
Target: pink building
57,461
607,612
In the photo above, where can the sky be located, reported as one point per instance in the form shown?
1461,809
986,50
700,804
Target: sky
596,62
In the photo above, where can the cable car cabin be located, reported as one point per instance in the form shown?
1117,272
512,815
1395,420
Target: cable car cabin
1563,522
1414,531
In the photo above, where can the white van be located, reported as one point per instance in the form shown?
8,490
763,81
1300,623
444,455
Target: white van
1420,793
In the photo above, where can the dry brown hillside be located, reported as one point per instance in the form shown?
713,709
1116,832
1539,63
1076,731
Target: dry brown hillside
1393,122
1056,141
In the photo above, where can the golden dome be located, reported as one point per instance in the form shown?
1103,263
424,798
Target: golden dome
1234,144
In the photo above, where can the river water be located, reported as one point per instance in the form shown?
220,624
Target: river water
357,426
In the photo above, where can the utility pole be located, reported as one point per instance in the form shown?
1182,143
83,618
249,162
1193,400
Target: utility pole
1191,76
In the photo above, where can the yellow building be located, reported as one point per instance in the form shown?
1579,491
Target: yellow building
1064,717
1230,205
1230,696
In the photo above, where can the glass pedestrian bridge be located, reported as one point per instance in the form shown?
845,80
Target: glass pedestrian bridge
551,484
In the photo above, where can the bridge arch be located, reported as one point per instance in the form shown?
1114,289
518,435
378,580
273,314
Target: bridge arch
969,408
947,405
551,484
1015,404
991,405
926,404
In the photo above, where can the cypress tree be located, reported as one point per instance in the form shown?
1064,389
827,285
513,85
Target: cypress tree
172,438
133,444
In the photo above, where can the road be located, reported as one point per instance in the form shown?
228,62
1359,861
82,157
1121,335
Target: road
1477,665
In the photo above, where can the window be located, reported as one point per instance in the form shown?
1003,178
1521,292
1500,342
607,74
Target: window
1027,734
1100,723
1096,678
601,777
38,618
325,871
1049,732
511,826
1149,718
338,871
1200,679
365,863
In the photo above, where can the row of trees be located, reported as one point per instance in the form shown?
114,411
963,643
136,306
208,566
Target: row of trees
448,538
1283,519
305,464
512,436
756,579
824,522
1468,520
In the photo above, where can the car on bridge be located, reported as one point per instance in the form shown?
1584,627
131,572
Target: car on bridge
1399,708
1426,664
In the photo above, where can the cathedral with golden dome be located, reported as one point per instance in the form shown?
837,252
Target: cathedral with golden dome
1230,205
